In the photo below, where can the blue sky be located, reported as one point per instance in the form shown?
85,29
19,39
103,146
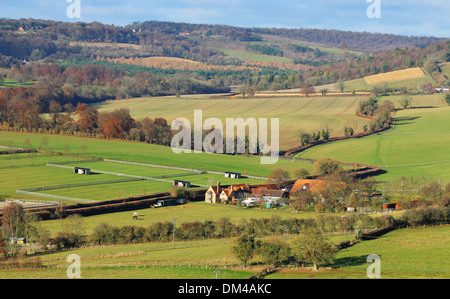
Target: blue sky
403,17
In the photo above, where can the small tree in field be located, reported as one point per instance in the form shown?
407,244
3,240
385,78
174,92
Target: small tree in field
13,220
277,176
326,166
324,91
300,173
340,86
405,102
274,251
245,248
313,247
307,89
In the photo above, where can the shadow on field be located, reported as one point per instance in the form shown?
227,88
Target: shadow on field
350,261
405,120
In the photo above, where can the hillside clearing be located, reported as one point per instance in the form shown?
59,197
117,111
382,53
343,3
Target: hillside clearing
295,113
416,146
413,73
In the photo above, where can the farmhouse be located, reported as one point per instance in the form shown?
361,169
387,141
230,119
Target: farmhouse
182,184
82,170
245,192
268,196
217,194
316,187
442,89
233,175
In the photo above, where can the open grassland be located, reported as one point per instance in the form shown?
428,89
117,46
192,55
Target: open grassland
412,79
420,253
152,154
22,171
401,75
410,84
417,145
445,67
186,259
129,272
404,253
295,113
434,100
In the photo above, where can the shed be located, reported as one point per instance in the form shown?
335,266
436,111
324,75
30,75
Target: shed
183,184
390,206
81,170
233,175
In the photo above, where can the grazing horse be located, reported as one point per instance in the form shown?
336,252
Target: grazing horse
135,216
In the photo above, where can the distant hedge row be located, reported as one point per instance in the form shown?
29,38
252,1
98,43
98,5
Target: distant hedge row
425,216
105,234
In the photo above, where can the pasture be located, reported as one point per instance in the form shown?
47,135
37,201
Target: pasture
412,79
186,259
413,73
417,145
107,180
404,253
294,113
152,154
419,253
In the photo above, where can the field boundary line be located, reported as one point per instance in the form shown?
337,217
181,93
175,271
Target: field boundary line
137,177
55,196
178,168
419,164
153,165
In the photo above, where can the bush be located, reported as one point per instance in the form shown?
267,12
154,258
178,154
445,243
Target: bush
326,166
64,240
300,173
177,192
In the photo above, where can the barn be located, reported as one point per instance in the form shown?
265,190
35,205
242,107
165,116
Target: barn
81,170
233,175
183,184
390,206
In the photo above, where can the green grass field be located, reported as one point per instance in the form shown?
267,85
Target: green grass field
417,145
295,114
446,69
152,154
404,253
188,259
30,171
13,83
421,253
